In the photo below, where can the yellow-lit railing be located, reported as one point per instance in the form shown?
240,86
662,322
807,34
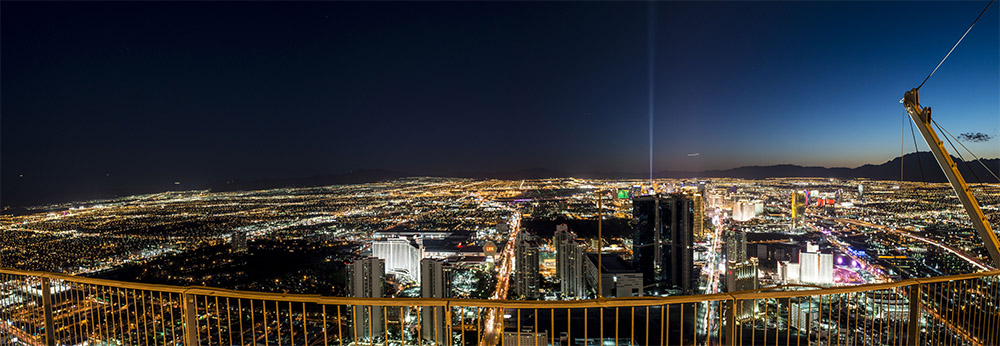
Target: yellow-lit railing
39,308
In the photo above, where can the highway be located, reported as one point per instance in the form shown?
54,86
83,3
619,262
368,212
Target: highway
961,254
713,273
505,264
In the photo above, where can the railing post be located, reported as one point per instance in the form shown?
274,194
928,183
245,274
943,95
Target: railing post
190,314
447,323
914,324
731,322
50,336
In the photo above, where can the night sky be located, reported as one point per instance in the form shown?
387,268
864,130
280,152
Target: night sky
129,94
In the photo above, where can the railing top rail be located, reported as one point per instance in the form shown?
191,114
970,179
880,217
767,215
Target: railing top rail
489,303
95,281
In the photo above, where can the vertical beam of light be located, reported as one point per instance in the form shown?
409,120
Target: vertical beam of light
652,48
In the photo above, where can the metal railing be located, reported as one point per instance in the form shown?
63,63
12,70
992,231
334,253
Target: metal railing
39,308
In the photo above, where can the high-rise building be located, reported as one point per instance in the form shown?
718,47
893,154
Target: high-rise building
662,240
788,272
699,213
716,199
238,241
401,257
825,268
748,210
366,279
742,276
816,268
798,208
569,263
808,267
559,238
737,213
745,210
573,283
697,194
526,275
436,275
736,246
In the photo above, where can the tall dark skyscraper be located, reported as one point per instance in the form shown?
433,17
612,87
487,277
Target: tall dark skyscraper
569,263
561,237
366,279
435,274
526,276
741,270
662,242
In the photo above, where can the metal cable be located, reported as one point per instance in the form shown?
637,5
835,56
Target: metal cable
967,149
979,181
920,162
956,45
902,142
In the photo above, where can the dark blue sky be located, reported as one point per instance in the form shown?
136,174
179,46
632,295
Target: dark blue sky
195,92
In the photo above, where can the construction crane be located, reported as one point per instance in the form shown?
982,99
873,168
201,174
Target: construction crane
922,118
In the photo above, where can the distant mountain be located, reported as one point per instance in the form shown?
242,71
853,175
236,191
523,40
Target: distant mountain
916,167
924,167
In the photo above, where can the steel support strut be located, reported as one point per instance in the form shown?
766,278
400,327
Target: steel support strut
190,313
922,118
50,336
913,323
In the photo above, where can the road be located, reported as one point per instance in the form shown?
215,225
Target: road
713,273
961,254
957,329
505,264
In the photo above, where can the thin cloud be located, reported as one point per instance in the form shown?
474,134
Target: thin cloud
974,137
